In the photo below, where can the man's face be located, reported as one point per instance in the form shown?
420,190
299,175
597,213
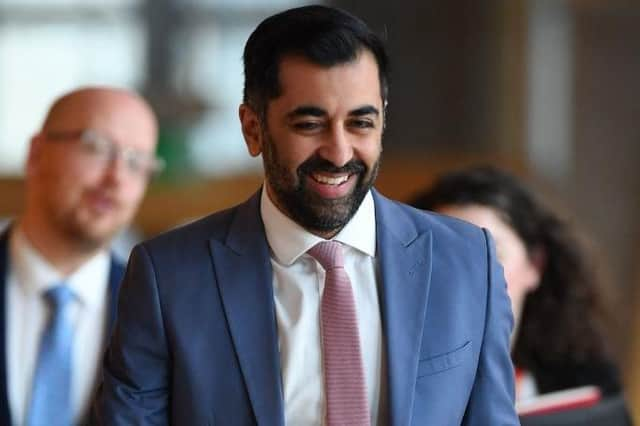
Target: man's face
322,140
84,194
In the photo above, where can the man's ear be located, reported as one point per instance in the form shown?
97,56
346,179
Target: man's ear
384,115
34,153
251,129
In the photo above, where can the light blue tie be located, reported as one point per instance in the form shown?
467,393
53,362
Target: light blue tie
50,393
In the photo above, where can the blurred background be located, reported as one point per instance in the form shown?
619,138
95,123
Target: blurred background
548,89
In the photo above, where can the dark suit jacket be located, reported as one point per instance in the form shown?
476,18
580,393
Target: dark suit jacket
567,374
196,343
115,276
611,411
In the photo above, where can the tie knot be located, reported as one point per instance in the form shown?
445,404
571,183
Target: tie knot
59,296
328,254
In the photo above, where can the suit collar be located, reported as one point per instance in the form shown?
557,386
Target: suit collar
116,272
243,269
394,219
404,256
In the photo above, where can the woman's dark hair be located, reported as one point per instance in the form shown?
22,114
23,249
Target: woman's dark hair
563,319
324,35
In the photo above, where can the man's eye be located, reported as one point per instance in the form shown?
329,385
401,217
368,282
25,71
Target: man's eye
96,144
306,125
362,124
135,164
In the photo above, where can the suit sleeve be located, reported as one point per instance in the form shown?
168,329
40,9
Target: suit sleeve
492,397
136,366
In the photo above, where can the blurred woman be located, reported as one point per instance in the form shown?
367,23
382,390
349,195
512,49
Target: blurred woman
559,340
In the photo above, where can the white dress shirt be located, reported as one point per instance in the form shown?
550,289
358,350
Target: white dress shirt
30,276
298,282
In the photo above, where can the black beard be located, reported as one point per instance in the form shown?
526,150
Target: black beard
305,207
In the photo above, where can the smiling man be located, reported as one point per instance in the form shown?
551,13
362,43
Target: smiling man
318,301
320,140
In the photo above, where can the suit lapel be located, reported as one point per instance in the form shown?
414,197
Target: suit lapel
405,266
244,275
116,272
5,416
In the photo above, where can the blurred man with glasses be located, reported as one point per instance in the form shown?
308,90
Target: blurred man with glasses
86,173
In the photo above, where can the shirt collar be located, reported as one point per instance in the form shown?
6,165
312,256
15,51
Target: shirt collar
288,240
36,275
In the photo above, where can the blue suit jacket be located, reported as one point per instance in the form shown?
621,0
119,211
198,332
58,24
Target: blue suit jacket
196,343
115,276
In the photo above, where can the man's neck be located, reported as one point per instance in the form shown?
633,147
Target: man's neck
64,255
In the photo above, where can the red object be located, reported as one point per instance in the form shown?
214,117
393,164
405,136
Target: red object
565,400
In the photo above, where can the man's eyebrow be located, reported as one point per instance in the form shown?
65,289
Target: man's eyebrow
365,110
307,110
319,112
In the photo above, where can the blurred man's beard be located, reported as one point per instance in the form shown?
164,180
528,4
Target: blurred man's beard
87,233
308,208
89,237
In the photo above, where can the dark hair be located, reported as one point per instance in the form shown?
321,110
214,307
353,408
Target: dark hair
563,319
323,35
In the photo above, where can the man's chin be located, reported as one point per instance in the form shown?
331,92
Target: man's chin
327,215
93,236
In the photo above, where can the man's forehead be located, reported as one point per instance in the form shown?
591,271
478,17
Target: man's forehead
304,83
84,106
116,125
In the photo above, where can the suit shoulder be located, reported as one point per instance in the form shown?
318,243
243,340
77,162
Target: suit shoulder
453,228
197,232
443,228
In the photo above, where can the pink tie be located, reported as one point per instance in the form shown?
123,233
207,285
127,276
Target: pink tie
345,389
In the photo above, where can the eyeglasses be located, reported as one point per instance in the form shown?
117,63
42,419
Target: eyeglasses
103,150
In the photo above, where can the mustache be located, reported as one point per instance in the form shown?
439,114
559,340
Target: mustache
318,164
107,194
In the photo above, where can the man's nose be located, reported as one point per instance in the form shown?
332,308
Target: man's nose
116,165
337,147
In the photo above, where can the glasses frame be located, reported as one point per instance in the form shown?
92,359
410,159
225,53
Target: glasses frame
99,144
